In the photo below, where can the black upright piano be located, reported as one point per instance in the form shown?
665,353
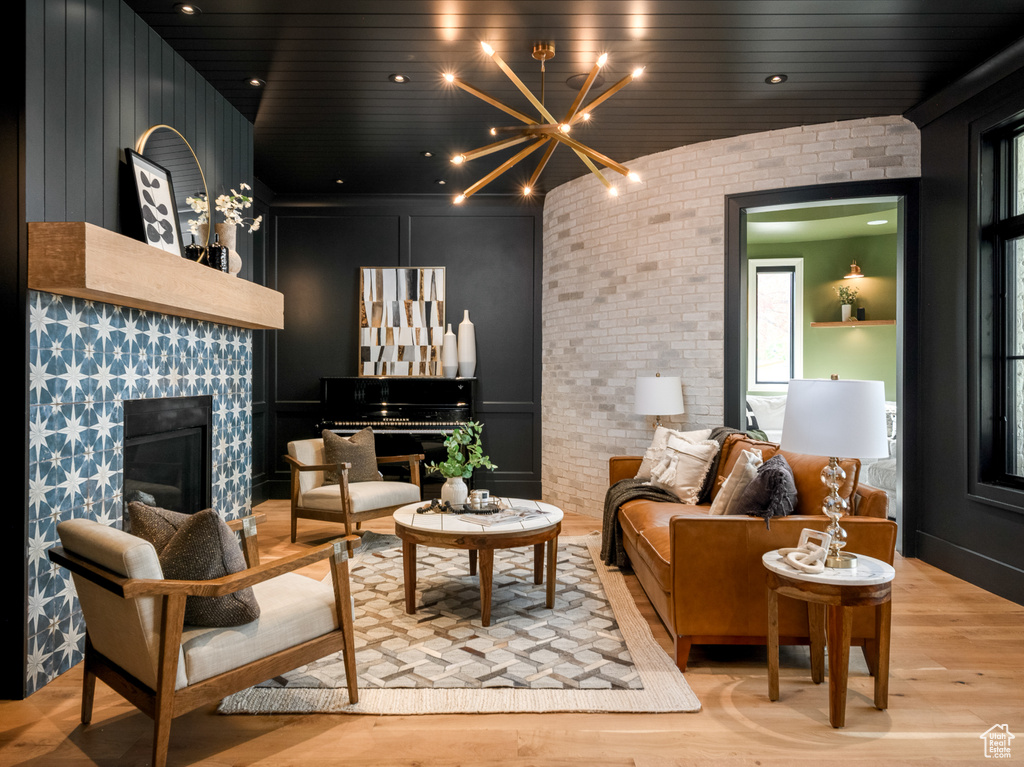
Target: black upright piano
408,415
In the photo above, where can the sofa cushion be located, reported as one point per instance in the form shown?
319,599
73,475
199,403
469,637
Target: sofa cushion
683,467
807,473
742,474
366,496
656,452
357,450
772,493
734,445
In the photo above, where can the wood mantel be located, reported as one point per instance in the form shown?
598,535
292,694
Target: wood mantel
87,261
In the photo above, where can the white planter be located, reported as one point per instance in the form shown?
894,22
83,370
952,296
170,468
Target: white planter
450,354
467,347
454,490
847,310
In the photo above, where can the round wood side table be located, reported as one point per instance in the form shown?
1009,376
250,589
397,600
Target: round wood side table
830,596
447,531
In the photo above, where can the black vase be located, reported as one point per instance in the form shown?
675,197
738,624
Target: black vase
193,252
217,255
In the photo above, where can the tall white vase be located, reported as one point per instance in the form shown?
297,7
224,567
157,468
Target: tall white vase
467,347
847,311
450,354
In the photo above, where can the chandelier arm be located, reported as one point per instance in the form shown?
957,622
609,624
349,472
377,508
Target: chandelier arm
493,102
604,96
504,167
582,94
522,88
594,170
495,147
552,146
592,154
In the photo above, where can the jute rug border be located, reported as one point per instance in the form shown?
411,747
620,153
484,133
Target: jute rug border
664,690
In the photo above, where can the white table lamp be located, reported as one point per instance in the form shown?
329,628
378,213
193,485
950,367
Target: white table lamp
658,395
836,419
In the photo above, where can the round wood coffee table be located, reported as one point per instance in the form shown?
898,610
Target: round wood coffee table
447,531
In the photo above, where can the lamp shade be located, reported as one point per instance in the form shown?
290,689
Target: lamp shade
658,395
844,419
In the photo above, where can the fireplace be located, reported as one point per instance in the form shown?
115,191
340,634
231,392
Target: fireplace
167,447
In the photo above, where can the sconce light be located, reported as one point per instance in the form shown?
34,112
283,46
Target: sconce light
855,272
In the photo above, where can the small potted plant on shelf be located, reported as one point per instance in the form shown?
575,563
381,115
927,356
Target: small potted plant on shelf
847,298
465,453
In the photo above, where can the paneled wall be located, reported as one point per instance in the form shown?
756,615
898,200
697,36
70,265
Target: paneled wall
492,257
95,77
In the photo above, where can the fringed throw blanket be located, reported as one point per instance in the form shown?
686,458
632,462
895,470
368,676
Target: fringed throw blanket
622,491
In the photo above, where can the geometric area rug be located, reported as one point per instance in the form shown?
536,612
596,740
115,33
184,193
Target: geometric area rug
593,652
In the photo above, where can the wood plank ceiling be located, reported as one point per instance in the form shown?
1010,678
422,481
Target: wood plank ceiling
329,111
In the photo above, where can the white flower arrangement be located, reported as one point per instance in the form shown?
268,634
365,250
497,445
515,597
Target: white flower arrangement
231,205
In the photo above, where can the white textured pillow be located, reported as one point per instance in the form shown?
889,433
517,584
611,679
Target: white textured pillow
682,469
742,474
656,452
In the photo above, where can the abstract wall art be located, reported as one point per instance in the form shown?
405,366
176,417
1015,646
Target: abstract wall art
401,321
157,209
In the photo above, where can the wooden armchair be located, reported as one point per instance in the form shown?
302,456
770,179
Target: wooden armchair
137,643
347,503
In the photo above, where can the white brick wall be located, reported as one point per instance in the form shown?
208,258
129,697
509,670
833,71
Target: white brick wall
634,285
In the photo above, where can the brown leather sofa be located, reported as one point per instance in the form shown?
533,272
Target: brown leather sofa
703,573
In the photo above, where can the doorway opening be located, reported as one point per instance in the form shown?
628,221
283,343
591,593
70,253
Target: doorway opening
794,258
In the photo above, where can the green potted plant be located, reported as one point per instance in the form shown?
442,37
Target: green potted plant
847,298
465,453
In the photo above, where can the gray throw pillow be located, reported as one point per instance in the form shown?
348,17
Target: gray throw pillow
357,450
772,493
197,547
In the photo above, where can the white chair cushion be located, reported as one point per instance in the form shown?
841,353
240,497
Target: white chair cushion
125,630
293,609
366,496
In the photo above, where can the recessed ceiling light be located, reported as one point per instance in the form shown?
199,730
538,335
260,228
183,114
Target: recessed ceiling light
188,9
339,181
440,182
576,81
398,78
256,82
776,79
427,153
878,222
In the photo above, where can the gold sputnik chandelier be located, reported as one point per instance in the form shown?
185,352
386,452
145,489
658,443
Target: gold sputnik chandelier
546,132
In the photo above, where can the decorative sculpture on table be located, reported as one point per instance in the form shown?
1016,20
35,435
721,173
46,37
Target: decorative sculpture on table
401,321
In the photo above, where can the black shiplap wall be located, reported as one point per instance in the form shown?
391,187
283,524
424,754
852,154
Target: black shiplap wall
97,77
491,251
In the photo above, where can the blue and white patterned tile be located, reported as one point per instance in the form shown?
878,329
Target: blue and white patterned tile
42,536
42,366
105,478
39,654
41,594
134,331
106,423
40,433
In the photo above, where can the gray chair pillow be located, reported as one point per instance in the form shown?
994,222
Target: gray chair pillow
197,547
357,450
772,493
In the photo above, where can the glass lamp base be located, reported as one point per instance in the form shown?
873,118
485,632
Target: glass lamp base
842,560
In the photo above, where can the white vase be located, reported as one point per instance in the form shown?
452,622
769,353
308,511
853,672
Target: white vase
847,310
467,347
450,354
454,490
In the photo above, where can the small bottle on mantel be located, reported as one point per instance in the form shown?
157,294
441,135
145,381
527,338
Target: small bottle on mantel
193,252
217,254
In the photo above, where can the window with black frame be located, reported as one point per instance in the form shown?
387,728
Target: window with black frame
1003,245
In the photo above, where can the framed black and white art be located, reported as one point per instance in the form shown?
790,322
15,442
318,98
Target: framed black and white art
157,209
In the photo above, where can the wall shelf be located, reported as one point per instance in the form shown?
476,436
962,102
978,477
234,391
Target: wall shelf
852,324
87,261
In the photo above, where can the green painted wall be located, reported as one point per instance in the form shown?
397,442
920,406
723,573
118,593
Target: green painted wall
855,352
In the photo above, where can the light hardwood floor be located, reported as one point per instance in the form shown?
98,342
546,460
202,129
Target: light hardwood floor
957,669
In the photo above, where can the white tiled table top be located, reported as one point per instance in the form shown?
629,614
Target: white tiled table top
868,572
450,523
